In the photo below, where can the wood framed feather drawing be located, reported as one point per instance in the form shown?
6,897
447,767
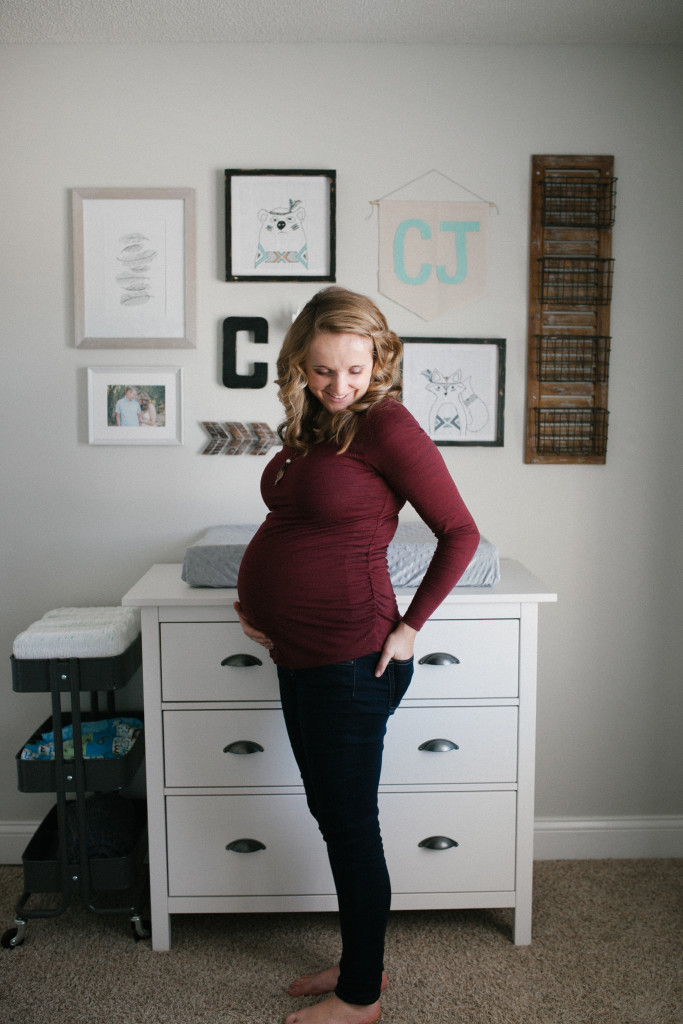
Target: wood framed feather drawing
134,267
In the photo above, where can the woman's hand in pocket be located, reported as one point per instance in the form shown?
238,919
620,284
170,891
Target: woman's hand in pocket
398,646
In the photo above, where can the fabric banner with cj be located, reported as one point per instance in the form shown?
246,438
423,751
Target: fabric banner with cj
432,255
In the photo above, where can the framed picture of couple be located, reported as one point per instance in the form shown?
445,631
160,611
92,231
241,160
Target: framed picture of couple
135,405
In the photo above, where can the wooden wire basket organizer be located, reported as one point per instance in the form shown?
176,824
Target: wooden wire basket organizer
578,201
572,210
576,280
571,431
566,357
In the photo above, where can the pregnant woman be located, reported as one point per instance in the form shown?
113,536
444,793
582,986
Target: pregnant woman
314,589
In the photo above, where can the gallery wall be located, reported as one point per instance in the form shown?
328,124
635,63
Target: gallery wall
81,523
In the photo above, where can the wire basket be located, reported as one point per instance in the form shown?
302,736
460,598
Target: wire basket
577,202
571,431
576,280
572,357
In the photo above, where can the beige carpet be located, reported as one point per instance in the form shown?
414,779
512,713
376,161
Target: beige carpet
607,949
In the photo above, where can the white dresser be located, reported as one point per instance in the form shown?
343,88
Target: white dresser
229,829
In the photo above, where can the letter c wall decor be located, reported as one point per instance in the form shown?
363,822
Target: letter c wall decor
231,326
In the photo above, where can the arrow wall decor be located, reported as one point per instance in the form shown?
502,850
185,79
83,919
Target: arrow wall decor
239,438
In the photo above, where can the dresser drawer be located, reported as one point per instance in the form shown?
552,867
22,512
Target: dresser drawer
451,745
214,661
293,859
466,658
251,748
221,748
481,824
468,843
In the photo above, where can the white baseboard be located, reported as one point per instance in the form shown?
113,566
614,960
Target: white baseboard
600,838
14,837
554,838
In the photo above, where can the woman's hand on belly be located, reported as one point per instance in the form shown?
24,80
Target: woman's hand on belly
398,646
251,631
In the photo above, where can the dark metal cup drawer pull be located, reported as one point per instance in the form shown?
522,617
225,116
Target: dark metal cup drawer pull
245,846
241,661
439,658
243,747
438,843
438,746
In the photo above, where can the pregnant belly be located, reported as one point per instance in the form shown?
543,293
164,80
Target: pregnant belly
309,596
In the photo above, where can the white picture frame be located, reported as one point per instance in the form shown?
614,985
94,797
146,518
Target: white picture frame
152,415
134,267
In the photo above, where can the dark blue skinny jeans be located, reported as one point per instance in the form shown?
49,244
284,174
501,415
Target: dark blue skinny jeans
336,718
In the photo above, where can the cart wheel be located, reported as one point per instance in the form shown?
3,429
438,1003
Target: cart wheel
141,929
8,940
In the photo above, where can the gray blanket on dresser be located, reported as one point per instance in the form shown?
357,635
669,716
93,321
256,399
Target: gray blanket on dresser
214,559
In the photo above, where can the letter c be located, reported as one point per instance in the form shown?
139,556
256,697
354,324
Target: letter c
399,243
231,378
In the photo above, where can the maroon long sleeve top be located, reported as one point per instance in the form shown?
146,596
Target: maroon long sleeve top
314,578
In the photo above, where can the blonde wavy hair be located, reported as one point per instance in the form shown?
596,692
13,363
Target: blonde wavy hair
338,311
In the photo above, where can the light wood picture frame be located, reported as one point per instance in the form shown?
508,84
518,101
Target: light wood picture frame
134,256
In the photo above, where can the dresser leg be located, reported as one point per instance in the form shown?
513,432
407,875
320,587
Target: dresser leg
521,929
161,932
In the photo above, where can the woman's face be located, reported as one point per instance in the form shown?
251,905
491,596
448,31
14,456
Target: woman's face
339,369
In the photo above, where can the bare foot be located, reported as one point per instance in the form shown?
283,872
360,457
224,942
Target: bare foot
318,983
334,1011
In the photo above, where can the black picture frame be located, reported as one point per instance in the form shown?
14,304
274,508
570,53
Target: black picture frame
455,388
280,225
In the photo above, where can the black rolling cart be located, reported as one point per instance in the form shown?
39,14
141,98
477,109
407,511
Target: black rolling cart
93,842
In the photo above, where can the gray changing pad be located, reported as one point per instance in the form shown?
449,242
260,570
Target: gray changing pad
214,560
